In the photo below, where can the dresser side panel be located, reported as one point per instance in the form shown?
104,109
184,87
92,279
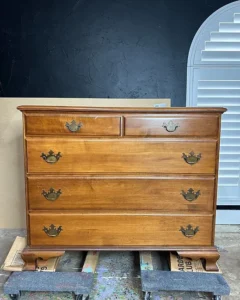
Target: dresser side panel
216,180
25,175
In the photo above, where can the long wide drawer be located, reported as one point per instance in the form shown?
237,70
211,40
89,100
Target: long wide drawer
72,124
168,125
121,193
51,155
119,230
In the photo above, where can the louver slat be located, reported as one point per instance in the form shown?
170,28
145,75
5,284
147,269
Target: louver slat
234,127
228,165
225,36
230,93
227,182
220,56
221,46
219,84
236,18
219,101
228,141
229,27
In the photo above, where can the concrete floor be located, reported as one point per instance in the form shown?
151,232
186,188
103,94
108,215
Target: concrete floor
117,275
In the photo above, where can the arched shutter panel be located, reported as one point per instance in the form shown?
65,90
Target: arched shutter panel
214,80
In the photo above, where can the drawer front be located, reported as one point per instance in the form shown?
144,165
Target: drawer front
112,156
72,124
184,194
119,230
172,126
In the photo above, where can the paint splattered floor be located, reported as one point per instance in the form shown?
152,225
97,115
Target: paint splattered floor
117,275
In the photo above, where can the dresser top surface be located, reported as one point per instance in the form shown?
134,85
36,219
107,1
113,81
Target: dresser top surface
162,110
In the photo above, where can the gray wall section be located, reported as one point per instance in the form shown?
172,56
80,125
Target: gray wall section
98,48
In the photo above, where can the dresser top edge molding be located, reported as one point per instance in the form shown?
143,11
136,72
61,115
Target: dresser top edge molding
162,110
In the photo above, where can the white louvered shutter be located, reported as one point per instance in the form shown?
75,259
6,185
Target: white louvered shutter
220,92
214,80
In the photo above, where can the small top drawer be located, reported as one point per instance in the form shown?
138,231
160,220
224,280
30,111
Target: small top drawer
72,124
172,125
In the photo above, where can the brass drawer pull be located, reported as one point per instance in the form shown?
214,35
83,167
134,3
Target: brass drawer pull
192,158
189,231
190,195
170,126
52,231
51,195
73,126
51,158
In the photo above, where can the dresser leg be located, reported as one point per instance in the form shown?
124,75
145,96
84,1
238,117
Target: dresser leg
35,259
210,256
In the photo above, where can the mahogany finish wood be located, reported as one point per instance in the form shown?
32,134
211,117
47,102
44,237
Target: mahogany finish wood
121,177
146,193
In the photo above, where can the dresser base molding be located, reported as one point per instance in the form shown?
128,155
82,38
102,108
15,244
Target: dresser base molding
210,256
35,259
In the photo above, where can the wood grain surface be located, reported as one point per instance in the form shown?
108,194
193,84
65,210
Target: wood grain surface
55,124
115,156
119,229
121,193
199,125
144,110
121,178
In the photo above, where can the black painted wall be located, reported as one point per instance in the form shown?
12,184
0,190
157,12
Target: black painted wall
98,48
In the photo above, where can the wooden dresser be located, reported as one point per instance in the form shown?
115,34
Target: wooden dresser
121,178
